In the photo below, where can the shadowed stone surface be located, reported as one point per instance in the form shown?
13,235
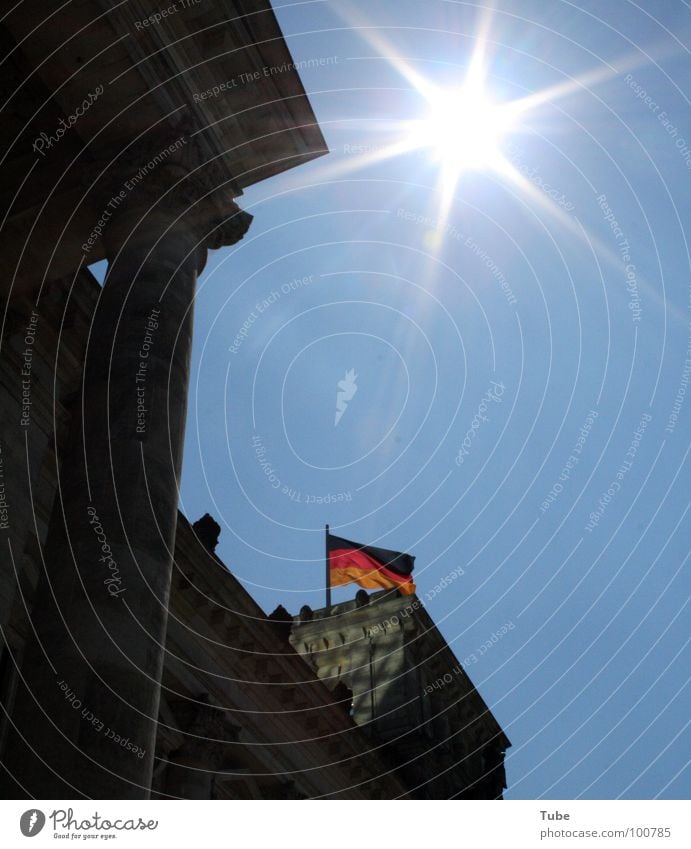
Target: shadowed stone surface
386,651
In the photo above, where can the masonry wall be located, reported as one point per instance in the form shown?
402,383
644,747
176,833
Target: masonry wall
443,741
41,352
242,715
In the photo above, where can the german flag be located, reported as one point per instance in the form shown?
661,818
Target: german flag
370,567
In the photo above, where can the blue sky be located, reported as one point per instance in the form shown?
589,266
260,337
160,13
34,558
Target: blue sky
541,322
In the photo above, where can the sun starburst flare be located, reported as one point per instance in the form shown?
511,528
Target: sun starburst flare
463,130
460,129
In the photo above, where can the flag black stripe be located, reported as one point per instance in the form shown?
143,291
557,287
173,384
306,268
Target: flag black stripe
398,562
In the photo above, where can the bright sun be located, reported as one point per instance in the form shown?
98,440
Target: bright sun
463,131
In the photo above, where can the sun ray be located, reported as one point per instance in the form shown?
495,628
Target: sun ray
583,235
574,85
462,128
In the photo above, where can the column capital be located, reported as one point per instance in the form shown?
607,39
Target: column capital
162,182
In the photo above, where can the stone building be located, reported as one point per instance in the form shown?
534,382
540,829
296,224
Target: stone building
133,663
383,654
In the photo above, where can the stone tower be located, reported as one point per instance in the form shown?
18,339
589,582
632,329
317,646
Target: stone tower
383,658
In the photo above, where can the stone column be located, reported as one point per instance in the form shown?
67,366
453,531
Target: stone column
87,710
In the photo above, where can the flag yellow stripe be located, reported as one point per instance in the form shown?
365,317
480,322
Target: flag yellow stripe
369,579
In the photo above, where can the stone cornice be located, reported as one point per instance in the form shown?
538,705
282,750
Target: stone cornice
178,51
166,61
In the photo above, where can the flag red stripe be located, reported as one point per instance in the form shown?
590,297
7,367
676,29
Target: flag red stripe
365,562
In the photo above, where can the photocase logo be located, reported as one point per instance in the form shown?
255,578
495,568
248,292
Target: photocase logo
347,389
32,822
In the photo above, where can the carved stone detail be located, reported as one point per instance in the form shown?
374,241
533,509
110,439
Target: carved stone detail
205,728
164,180
207,531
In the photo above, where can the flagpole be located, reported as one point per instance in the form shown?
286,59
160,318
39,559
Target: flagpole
328,571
